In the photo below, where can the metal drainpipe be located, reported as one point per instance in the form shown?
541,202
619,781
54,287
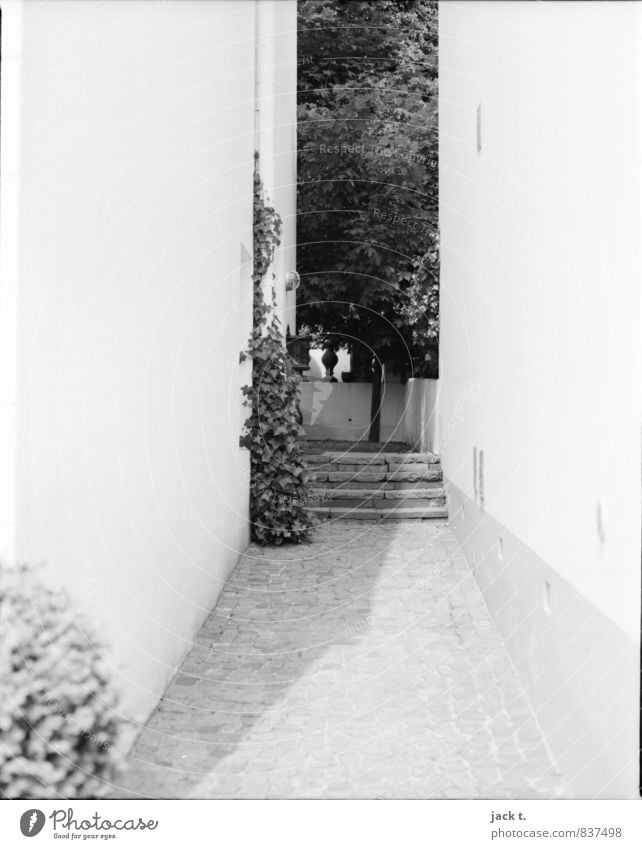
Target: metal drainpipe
265,66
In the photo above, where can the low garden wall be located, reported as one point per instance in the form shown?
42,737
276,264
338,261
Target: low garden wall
420,418
342,411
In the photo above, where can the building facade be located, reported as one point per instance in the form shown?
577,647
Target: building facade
540,194
128,138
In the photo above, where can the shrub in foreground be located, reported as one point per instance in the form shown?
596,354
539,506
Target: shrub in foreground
59,725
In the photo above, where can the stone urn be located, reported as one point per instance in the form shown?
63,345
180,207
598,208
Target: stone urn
329,360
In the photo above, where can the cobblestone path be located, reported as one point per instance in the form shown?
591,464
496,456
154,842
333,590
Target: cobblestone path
361,665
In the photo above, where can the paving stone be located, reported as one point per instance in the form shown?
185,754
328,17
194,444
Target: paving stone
362,664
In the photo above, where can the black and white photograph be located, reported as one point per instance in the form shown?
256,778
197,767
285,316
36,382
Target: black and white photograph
320,422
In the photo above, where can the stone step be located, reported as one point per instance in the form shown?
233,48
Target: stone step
345,459
349,467
369,476
431,494
320,446
377,514
404,514
346,503
416,484
431,473
381,486
384,486
382,504
330,479
316,459
355,459
377,477
412,457
413,467
410,503
435,493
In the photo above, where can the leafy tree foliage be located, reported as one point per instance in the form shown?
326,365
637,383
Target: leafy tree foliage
367,200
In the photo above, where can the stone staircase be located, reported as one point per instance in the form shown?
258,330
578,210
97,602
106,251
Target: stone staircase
377,485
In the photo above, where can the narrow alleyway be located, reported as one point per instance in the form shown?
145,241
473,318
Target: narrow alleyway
361,665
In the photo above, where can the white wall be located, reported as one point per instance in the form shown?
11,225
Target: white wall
541,279
136,163
541,285
9,213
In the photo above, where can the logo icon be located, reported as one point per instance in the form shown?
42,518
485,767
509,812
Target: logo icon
32,822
